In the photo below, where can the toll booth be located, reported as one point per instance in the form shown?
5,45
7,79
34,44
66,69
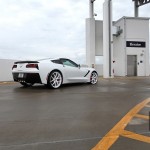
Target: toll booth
131,47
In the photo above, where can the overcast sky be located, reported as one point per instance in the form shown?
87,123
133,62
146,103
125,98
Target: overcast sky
34,29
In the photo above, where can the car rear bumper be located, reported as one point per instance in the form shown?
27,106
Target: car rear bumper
27,77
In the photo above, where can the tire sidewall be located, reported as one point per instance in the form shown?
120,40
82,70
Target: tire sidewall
48,82
97,77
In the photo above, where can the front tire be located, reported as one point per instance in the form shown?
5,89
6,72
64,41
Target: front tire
94,77
55,79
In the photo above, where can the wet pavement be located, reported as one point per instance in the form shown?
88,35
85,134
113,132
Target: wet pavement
73,117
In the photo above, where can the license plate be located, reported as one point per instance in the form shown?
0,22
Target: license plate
20,75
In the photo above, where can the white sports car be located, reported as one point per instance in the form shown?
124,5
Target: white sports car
52,72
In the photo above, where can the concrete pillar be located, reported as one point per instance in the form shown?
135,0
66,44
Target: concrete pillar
90,36
90,42
107,39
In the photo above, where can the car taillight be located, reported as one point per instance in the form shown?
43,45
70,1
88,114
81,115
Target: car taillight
14,66
32,66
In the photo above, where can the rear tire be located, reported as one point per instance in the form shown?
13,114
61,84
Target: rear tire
94,77
55,79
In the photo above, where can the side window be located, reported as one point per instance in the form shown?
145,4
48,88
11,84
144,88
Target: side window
70,63
57,61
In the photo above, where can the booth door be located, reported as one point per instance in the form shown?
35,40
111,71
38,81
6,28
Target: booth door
131,65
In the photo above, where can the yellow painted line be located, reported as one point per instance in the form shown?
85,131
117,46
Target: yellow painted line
142,116
147,106
135,136
110,138
3,83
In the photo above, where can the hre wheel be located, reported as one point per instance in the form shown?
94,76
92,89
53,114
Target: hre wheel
55,79
94,77
25,84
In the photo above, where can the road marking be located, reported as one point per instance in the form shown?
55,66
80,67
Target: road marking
111,137
48,142
3,83
147,106
135,136
142,116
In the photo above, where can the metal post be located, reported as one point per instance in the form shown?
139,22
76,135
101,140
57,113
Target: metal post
91,9
136,9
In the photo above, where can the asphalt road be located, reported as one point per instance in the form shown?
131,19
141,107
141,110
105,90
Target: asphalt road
74,117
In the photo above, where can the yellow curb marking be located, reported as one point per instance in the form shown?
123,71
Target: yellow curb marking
142,116
3,83
135,136
110,138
